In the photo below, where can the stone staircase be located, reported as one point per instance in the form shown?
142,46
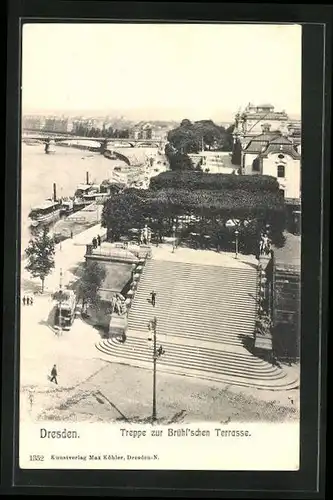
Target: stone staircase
215,365
204,315
199,302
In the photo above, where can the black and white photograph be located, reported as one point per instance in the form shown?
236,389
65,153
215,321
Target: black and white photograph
160,245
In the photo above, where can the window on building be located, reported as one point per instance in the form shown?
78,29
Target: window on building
281,157
281,171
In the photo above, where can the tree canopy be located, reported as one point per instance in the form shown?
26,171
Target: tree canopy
90,282
192,137
180,161
121,210
196,210
194,180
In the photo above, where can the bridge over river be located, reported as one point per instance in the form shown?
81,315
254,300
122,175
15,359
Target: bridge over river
46,137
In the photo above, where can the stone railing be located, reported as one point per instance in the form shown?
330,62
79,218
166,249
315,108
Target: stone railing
136,276
263,320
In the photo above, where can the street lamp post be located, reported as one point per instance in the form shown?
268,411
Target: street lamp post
174,238
60,303
236,242
156,354
154,415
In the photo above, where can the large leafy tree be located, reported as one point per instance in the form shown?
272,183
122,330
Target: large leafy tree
192,137
40,254
180,161
184,139
91,281
123,212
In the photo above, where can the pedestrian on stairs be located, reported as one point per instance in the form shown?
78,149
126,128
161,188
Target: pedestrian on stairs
153,297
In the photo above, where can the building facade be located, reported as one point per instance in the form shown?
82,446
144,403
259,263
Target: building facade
275,155
59,125
33,122
142,130
255,118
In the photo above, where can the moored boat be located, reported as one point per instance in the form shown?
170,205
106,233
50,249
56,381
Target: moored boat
67,206
45,213
84,195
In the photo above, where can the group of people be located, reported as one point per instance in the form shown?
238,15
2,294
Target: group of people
265,244
96,241
27,300
145,235
118,305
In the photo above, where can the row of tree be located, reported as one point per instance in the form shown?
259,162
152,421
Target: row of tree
201,212
194,180
107,132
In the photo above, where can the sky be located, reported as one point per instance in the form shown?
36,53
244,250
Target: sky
160,71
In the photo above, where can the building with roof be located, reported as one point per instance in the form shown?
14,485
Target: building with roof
33,122
59,125
257,119
141,130
276,155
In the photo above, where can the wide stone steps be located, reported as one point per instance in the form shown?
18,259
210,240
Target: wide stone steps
189,324
220,337
216,365
202,302
216,284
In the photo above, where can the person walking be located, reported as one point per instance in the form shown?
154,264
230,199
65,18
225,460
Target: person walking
98,240
31,301
27,300
94,242
153,297
54,375
24,300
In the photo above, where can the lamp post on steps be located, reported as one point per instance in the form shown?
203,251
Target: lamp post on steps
173,238
236,243
157,352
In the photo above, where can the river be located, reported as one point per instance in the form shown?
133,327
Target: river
67,168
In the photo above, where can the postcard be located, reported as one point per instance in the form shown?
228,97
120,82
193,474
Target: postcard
160,246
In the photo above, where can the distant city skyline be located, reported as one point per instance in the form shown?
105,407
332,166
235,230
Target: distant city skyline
147,72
